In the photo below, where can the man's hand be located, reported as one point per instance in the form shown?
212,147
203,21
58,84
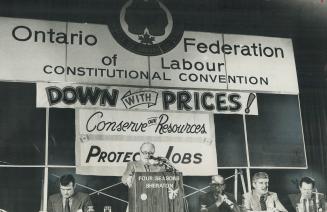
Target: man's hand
220,200
228,201
129,181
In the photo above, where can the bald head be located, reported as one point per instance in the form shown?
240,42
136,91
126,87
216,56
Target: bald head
217,179
147,150
218,184
147,146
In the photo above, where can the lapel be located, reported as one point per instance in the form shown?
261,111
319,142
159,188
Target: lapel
257,201
58,203
211,197
75,203
139,166
255,204
297,198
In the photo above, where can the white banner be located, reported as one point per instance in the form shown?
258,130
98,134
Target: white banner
106,140
128,98
22,58
225,61
34,51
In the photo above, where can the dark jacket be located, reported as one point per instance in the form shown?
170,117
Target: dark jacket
80,201
296,198
209,200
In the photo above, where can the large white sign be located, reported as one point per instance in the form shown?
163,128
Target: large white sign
232,62
25,49
132,123
106,140
128,98
88,53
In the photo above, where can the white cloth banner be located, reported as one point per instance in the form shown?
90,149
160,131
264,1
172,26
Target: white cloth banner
230,62
127,98
48,51
106,140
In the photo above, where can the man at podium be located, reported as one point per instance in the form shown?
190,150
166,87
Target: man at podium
154,184
145,164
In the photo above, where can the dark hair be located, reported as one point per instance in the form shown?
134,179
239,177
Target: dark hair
307,180
66,179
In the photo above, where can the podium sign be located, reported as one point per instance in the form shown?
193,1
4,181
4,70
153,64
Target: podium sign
156,192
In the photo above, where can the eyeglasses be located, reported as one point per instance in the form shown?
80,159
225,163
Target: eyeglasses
147,153
218,184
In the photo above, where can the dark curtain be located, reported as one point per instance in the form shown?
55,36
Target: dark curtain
314,118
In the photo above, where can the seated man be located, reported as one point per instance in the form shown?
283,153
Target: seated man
260,199
68,200
217,199
307,200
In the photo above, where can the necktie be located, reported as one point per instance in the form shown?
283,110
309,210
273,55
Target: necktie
67,208
263,203
306,203
147,167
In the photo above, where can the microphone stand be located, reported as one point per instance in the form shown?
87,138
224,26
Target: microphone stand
164,161
317,199
168,166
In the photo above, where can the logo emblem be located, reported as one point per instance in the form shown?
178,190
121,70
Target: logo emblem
146,27
172,194
144,196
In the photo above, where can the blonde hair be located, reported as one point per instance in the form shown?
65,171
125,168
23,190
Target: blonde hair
259,175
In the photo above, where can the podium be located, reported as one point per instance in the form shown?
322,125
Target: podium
156,192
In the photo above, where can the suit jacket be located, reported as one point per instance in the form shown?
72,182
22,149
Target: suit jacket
80,201
209,200
139,166
296,198
251,201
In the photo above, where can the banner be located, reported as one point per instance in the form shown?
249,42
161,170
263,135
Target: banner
225,61
107,140
90,53
128,98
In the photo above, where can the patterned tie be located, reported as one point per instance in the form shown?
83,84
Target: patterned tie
263,203
67,208
147,167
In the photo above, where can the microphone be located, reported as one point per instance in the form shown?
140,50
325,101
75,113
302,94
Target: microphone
318,193
228,202
158,158
164,161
